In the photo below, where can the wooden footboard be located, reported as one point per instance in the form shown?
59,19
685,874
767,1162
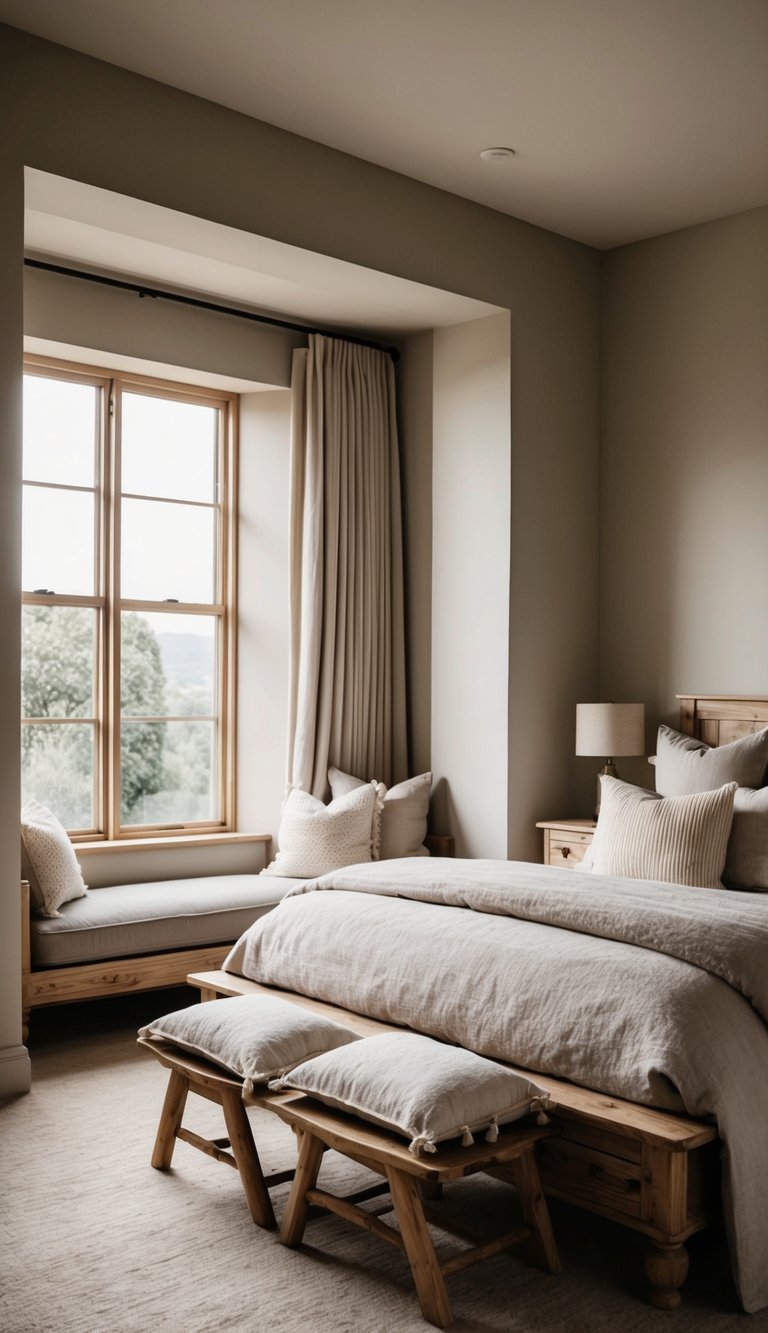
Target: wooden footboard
650,1170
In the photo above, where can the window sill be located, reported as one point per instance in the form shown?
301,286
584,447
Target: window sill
171,841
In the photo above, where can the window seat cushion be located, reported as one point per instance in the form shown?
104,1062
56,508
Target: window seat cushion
126,920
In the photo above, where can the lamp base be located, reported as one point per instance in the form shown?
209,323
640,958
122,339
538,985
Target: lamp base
609,771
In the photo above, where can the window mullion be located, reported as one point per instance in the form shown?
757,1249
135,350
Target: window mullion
111,681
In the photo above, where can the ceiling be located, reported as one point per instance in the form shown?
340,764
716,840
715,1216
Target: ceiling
629,118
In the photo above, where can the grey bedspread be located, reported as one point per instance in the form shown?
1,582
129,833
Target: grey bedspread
652,992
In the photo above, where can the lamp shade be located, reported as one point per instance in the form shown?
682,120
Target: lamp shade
610,729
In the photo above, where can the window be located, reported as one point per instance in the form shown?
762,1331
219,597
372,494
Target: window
127,616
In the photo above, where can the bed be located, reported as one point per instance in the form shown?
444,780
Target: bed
643,1012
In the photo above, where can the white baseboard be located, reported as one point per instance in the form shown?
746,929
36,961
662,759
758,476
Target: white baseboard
15,1071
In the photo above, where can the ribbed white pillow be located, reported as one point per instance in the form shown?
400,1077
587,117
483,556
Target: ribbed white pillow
404,810
685,765
418,1087
315,838
254,1036
48,860
677,839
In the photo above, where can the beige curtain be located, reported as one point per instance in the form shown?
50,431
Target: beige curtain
347,665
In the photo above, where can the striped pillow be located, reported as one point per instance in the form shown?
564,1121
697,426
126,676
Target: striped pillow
677,839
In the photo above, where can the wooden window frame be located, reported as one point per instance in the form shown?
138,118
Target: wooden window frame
109,605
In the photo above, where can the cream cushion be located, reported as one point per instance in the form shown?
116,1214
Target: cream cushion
48,860
254,1036
676,839
418,1087
403,812
685,765
315,838
746,863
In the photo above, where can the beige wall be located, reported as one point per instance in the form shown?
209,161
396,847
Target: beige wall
76,117
684,534
470,583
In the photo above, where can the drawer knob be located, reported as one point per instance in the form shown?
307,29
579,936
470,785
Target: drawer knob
566,851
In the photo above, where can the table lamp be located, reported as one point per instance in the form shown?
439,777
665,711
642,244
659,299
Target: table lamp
609,730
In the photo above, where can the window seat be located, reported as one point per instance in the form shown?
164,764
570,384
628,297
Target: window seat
128,937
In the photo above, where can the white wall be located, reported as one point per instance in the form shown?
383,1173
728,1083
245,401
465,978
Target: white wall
263,609
471,463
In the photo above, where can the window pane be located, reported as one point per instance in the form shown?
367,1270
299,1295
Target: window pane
168,448
59,431
168,552
167,772
57,766
168,665
57,541
57,661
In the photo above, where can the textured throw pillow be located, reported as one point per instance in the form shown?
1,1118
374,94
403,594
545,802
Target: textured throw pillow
403,813
685,765
677,839
256,1037
746,863
418,1087
48,860
315,838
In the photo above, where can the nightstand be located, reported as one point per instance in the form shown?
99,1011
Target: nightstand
566,840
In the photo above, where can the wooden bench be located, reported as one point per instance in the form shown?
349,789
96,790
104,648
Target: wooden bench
318,1128
653,1171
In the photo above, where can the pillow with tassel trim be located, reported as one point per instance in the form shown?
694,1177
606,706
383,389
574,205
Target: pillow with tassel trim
256,1037
420,1088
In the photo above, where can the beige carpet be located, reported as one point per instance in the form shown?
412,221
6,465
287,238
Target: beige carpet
93,1240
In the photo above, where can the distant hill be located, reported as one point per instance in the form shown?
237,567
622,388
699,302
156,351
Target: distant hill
186,658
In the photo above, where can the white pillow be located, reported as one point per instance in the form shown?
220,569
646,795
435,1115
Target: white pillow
48,860
746,864
254,1036
677,839
315,838
403,813
418,1087
685,765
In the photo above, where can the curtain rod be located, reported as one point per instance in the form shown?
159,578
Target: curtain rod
157,294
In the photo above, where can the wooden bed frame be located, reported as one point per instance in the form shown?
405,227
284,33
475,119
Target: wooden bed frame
653,1171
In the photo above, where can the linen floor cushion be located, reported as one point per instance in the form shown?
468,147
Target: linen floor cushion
48,860
403,812
315,838
676,839
421,1088
256,1037
746,862
685,765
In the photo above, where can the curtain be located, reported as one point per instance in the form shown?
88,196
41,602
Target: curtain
347,650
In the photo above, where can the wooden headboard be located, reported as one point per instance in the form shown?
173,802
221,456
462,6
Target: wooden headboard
720,718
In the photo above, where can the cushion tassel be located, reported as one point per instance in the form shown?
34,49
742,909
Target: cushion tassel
247,1088
276,1084
466,1137
418,1145
492,1132
541,1105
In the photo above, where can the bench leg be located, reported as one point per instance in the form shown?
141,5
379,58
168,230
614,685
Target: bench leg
425,1267
244,1153
535,1211
297,1208
170,1120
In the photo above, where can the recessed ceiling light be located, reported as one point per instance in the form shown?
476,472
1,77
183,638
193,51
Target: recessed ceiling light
495,154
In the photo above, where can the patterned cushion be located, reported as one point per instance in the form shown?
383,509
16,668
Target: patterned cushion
315,838
48,860
403,813
676,839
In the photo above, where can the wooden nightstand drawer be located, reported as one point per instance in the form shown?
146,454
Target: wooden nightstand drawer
566,840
